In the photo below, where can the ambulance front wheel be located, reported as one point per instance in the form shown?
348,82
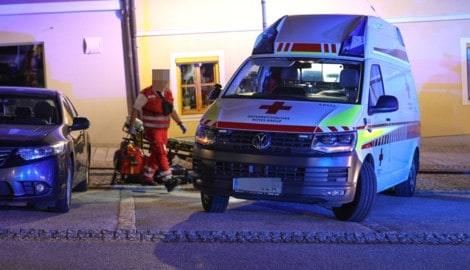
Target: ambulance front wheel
366,190
213,203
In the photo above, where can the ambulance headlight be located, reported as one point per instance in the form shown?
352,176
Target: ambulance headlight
334,142
205,135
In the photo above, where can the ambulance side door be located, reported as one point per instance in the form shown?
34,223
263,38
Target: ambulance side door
377,124
397,83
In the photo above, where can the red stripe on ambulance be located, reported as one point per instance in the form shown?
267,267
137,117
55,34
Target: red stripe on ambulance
334,48
306,47
325,48
268,127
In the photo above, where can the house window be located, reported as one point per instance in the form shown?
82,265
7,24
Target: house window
22,65
196,78
465,56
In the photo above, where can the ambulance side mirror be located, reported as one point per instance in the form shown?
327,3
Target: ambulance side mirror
384,104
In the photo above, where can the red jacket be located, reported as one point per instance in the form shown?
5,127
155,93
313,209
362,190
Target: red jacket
152,112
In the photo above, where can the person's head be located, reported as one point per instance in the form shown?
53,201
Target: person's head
160,79
160,85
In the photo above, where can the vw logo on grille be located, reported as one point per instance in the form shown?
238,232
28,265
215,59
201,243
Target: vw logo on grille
261,141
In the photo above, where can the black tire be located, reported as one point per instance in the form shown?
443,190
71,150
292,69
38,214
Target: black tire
214,204
63,205
366,191
117,166
407,188
113,179
117,160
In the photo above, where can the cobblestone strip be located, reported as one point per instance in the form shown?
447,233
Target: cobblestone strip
183,236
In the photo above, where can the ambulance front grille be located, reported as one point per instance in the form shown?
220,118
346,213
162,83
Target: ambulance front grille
280,142
286,173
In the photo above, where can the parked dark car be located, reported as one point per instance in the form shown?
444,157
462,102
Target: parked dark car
44,148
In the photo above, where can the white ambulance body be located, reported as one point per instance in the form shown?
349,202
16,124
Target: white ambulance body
324,111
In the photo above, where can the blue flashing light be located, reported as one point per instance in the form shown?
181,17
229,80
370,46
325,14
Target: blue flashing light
265,41
353,44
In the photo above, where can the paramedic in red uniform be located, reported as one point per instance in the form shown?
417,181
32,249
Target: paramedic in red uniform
156,124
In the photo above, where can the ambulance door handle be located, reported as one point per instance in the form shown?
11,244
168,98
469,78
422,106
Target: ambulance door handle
366,125
387,119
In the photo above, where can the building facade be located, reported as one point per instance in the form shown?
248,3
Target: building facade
201,43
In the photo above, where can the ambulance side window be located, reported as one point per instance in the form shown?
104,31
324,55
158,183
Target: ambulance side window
376,88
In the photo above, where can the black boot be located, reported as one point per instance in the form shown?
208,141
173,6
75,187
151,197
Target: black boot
172,183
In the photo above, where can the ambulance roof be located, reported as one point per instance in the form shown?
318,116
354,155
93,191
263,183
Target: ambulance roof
332,36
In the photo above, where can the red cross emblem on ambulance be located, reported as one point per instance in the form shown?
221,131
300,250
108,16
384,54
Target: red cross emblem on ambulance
275,107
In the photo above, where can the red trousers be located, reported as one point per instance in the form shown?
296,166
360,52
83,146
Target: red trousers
158,138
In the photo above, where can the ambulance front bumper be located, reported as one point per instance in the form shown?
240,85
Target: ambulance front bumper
327,179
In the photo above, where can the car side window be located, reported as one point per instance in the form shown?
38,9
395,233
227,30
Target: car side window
69,111
376,88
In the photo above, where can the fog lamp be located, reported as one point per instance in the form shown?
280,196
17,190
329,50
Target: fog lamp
334,192
40,187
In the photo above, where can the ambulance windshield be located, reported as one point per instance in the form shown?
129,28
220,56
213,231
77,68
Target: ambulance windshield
297,79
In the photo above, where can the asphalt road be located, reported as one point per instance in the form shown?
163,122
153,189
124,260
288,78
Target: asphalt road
128,255
135,227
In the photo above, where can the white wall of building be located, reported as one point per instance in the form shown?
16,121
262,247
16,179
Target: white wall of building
94,82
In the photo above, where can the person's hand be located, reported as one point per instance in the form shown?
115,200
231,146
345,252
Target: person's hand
182,127
131,131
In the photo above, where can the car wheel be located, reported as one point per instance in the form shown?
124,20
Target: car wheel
63,205
407,188
83,185
214,204
117,160
366,190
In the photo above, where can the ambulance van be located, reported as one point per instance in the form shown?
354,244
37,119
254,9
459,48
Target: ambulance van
324,111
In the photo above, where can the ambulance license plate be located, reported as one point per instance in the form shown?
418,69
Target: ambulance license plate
268,186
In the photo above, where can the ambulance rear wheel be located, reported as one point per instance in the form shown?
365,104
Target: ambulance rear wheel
366,190
213,203
407,188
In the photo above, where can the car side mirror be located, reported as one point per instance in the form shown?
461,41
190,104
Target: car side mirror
80,123
384,104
